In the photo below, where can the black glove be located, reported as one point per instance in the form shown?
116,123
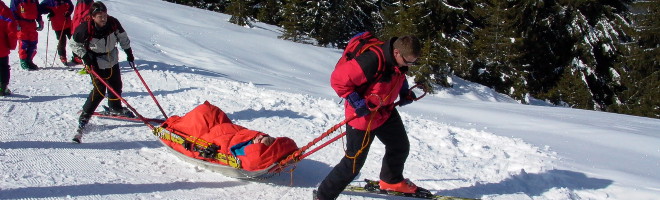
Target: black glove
89,60
129,55
358,103
405,96
407,99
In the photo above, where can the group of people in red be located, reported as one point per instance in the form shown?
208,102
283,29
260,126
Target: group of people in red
21,21
94,36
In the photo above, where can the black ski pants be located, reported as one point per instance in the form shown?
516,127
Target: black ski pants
4,72
62,36
112,76
392,134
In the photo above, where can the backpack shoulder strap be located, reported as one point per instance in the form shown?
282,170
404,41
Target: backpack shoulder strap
381,61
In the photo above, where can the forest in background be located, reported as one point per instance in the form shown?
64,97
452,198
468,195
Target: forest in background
587,54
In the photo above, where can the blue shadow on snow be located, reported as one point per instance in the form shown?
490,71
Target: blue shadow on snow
531,184
71,145
99,189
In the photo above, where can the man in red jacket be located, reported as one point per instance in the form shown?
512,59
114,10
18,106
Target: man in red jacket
358,82
59,13
7,43
26,13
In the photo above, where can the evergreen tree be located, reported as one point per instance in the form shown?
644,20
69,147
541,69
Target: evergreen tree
597,32
496,49
240,11
269,11
439,24
641,76
293,13
572,90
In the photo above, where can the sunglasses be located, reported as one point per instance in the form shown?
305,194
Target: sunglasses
407,62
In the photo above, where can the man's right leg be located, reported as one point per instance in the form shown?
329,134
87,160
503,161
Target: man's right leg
92,102
344,172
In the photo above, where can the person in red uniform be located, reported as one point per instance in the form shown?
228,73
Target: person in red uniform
79,14
59,13
357,81
7,43
26,13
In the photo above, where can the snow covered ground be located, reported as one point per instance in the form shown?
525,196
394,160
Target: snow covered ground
466,141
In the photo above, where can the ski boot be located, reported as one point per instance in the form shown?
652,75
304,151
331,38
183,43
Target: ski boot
407,187
82,122
64,61
77,60
25,64
5,92
78,137
123,111
32,66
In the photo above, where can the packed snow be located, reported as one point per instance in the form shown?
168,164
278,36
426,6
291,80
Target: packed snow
466,141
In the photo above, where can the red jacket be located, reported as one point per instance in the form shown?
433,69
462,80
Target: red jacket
80,13
27,10
59,12
7,30
358,75
211,124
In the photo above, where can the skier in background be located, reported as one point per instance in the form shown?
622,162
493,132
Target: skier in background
79,14
59,14
26,13
7,43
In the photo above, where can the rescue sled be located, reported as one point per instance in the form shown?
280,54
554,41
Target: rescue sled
232,169
200,152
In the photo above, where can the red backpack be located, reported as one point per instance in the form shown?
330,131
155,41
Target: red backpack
359,44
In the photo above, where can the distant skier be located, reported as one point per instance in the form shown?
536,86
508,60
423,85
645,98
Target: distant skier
358,81
7,42
80,13
26,13
96,40
59,13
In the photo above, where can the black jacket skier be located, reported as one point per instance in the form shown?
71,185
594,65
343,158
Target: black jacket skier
96,40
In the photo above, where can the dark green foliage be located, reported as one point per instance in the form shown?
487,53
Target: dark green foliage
294,12
588,54
241,12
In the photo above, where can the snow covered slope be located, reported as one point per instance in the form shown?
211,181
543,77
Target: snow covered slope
466,141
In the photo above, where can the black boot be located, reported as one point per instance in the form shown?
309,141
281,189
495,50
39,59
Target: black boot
82,122
121,111
32,66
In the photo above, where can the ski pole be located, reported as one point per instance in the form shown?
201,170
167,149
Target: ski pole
91,71
148,90
58,40
47,39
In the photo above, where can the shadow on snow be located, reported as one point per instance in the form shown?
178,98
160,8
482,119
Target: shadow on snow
100,189
531,184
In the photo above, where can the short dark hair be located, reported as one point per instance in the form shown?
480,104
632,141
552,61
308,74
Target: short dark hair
97,7
408,45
